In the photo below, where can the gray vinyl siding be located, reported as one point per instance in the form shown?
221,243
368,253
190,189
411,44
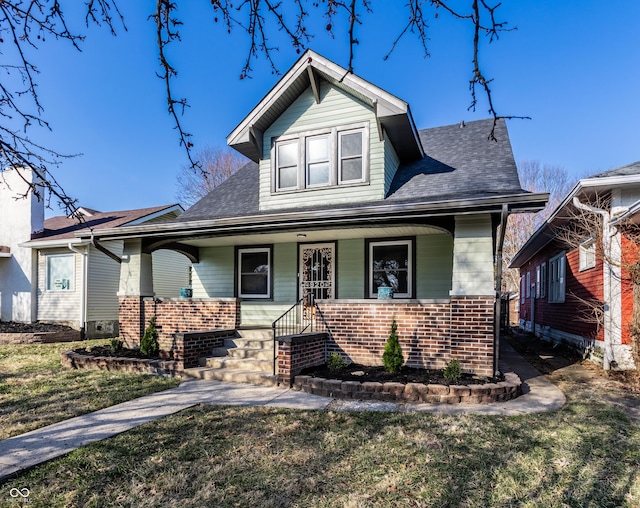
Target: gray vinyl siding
170,273
103,282
213,276
335,109
391,163
351,269
434,266
59,306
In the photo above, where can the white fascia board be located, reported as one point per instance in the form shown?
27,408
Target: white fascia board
390,104
175,208
48,244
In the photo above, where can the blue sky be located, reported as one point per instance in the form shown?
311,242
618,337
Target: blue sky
573,66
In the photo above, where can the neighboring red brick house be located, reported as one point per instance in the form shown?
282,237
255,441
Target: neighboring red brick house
579,295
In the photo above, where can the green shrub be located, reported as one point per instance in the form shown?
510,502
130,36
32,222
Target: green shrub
115,345
392,356
149,344
453,371
336,362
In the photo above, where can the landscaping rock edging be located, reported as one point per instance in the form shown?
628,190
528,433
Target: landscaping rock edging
40,337
503,391
73,360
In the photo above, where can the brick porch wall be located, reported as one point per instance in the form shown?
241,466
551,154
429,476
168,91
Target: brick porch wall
431,332
297,352
174,316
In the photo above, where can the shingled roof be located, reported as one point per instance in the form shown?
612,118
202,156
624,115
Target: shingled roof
460,163
64,227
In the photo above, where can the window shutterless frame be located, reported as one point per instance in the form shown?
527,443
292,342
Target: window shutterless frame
321,158
254,272
60,272
391,263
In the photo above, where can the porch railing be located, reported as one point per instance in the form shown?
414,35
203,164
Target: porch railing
304,316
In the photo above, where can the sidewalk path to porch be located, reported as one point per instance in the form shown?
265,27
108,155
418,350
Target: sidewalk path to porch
28,450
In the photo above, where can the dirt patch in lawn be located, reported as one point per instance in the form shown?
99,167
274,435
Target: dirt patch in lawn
362,373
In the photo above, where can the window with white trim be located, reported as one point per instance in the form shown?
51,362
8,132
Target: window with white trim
323,158
557,278
543,280
60,272
522,283
587,251
528,288
254,272
538,281
391,265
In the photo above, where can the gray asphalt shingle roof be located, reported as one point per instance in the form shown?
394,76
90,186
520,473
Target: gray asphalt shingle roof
460,163
629,169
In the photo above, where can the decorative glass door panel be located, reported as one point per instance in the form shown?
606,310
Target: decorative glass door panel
317,272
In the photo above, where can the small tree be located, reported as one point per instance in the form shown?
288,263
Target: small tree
149,344
392,356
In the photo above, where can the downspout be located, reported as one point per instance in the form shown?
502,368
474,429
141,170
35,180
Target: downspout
105,251
606,246
85,286
498,305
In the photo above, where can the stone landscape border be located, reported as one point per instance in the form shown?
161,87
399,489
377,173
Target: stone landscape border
503,391
74,360
40,337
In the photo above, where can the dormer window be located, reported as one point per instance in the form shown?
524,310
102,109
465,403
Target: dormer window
323,158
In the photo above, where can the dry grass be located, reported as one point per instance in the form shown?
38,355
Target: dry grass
583,455
35,390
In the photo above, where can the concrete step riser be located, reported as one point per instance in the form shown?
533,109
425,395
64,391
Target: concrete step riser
259,334
249,343
239,364
256,354
232,376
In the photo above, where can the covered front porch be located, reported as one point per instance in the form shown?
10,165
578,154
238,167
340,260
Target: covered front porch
441,273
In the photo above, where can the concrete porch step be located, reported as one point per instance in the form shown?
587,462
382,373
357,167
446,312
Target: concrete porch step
231,376
251,343
230,363
256,354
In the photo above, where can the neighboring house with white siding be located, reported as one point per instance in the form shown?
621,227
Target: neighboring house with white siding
344,196
48,274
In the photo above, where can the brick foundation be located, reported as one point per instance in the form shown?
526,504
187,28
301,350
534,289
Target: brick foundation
431,333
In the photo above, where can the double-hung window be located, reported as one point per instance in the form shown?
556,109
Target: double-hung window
254,272
323,158
587,256
557,279
391,265
60,272
543,280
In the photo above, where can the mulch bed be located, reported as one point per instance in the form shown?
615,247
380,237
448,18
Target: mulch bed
13,327
356,372
120,353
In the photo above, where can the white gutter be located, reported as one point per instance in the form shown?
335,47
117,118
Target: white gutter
85,282
608,277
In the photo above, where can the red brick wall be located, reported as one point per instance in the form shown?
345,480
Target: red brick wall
430,334
299,352
174,316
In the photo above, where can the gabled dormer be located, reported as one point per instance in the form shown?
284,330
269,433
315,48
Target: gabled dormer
323,136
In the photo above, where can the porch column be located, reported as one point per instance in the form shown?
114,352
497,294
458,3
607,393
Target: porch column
473,294
136,283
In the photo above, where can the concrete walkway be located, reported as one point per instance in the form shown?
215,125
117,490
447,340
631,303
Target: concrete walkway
28,450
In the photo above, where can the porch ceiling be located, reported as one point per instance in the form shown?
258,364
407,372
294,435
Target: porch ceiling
311,235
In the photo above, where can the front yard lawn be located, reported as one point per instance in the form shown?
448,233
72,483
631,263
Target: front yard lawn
35,390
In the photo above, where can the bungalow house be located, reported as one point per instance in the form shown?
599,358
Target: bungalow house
343,200
575,287
48,274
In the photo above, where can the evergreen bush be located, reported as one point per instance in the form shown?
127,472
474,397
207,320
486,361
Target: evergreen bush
392,356
453,371
149,344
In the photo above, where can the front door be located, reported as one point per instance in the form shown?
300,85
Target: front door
317,272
